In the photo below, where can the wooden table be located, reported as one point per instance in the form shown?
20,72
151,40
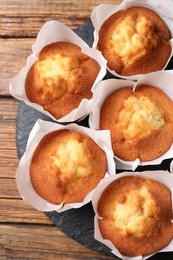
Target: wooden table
26,233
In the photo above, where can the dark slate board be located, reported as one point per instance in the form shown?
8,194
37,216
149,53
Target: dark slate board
76,223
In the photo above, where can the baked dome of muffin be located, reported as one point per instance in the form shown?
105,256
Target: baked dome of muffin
135,215
140,122
66,166
135,41
61,78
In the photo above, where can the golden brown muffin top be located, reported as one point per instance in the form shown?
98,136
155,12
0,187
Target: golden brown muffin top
135,215
66,166
59,70
131,39
138,117
61,77
72,159
140,122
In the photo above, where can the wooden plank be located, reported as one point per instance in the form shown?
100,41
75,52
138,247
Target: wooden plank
13,53
18,211
42,242
24,19
50,6
8,153
28,25
8,189
12,209
8,110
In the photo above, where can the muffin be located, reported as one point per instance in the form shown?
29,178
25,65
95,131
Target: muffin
61,78
140,122
66,166
131,39
135,215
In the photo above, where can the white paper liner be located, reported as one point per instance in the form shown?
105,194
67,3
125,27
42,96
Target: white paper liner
163,177
40,129
160,79
50,32
171,166
103,11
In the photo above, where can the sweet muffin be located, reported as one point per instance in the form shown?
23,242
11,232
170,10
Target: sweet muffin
135,215
61,78
66,166
135,41
140,122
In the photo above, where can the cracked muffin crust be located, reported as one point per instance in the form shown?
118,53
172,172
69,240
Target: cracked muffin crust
66,166
135,215
131,39
140,122
61,78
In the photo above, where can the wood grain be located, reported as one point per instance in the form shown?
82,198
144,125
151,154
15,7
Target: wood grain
13,53
65,7
42,242
8,153
18,211
28,25
8,110
11,192
26,233
12,207
24,19
20,20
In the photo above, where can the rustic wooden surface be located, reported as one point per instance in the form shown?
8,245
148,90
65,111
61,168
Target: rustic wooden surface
24,232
